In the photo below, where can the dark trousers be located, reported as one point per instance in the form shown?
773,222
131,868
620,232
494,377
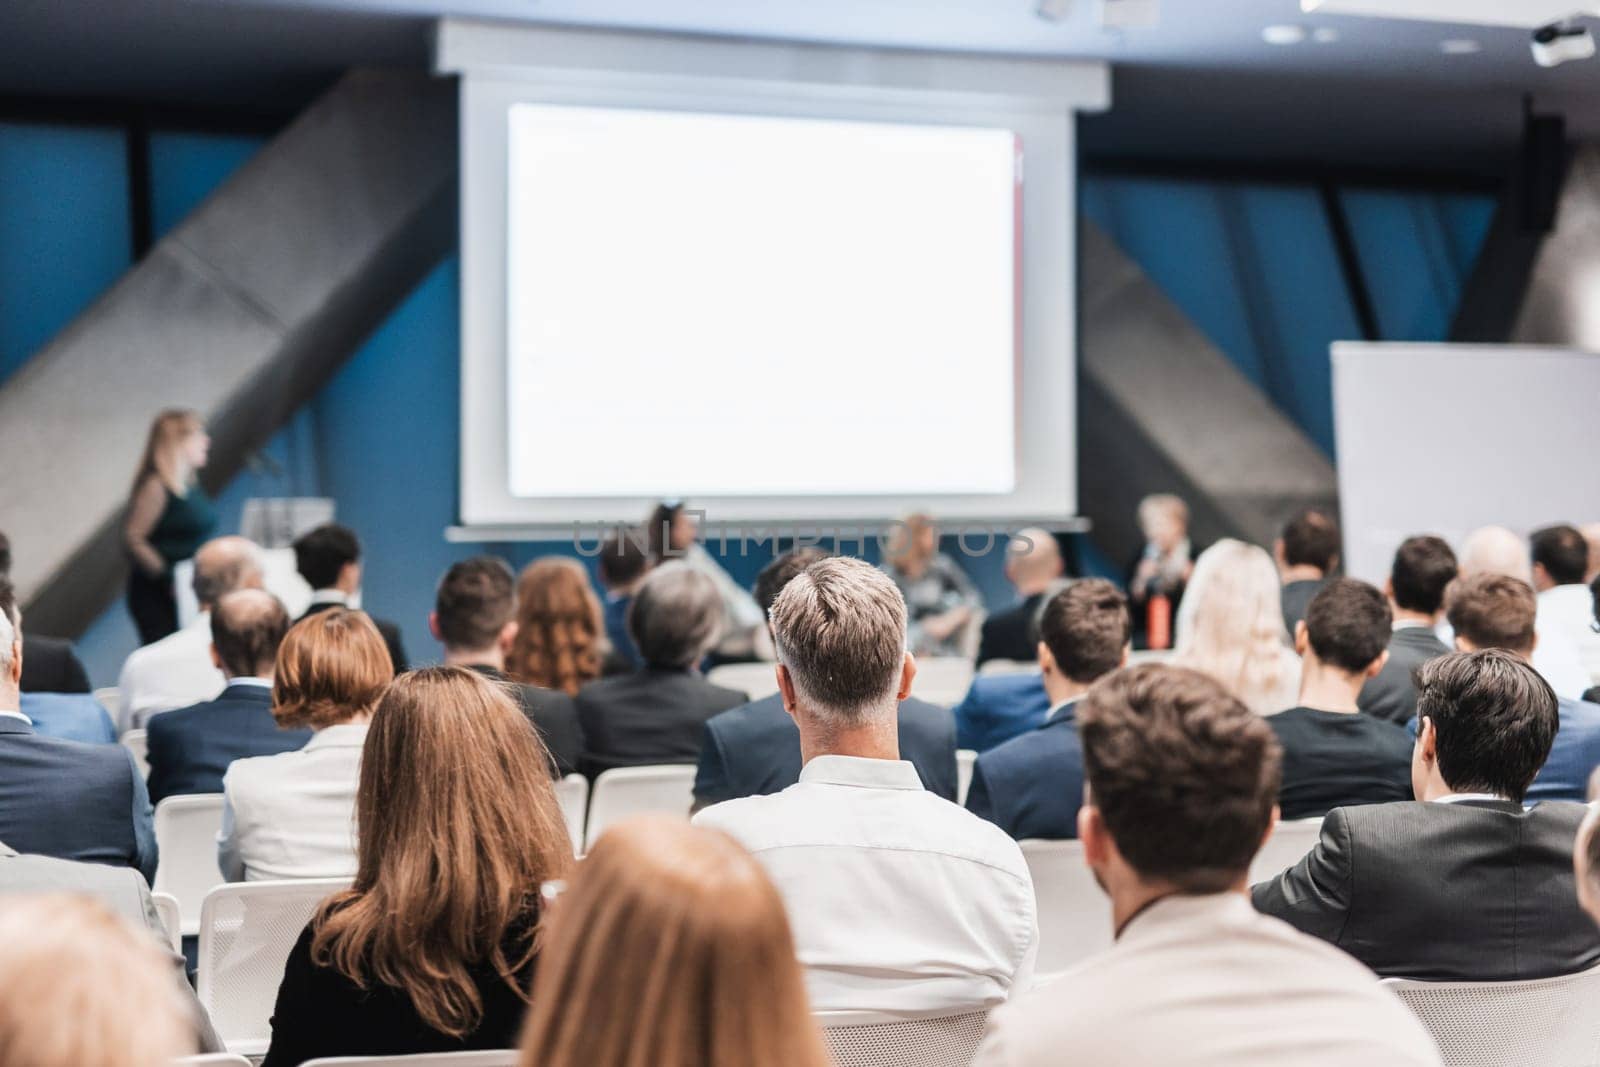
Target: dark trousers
153,606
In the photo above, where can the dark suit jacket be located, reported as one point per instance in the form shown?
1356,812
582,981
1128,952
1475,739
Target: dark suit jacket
1009,634
50,666
649,716
554,715
999,707
190,748
73,801
390,632
1392,695
754,750
1470,891
1032,786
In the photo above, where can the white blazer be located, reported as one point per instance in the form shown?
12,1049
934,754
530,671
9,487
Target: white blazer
293,815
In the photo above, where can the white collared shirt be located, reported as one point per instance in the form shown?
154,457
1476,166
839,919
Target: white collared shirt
259,683
1569,611
1457,798
12,714
902,904
173,672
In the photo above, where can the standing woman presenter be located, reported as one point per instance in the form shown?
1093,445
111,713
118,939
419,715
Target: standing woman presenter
169,517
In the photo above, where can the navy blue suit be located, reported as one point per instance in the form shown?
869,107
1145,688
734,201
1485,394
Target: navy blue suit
998,707
1032,786
190,748
73,801
754,750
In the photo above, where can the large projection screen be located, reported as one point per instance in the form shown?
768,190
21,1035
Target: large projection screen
791,283
1443,439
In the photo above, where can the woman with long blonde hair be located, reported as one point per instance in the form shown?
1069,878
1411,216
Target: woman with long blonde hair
168,517
670,949
1230,626
432,948
560,642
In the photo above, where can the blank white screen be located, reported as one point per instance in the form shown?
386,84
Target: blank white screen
721,305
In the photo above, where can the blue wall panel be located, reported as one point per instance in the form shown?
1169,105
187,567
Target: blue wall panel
185,168
1416,252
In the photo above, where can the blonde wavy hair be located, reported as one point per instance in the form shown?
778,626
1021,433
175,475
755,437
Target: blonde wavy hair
560,631
1230,626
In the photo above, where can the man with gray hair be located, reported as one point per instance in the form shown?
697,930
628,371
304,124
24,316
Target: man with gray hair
902,903
176,671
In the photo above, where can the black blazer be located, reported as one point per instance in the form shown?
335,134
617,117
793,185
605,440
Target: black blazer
754,750
390,632
1471,891
1032,786
650,716
1009,634
190,748
1392,695
554,715
50,666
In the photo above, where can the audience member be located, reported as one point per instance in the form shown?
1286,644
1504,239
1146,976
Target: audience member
623,563
1033,565
79,987
1496,550
69,716
942,602
1196,977
64,798
657,714
1591,534
329,559
432,948
673,532
559,642
1464,883
1031,786
190,749
754,750
998,707
1566,606
1423,568
291,815
1230,626
1332,754
670,947
940,915
1493,611
168,517
1586,863
474,617
49,663
177,670
1306,553
1159,575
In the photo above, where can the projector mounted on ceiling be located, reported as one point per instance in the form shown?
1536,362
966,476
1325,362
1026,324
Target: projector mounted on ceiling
1557,37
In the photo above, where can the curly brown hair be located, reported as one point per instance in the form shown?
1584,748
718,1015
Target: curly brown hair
560,632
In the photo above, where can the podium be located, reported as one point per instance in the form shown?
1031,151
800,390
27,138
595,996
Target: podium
273,523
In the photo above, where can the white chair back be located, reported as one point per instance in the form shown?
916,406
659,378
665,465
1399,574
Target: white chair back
1286,847
950,1041
1150,655
756,680
1009,666
171,918
110,698
942,680
966,759
186,835
1547,1021
1074,913
213,1059
493,1058
137,742
626,791
246,932
572,793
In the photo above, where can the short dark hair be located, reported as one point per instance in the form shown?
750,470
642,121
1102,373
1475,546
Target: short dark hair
1086,626
1311,539
1183,774
474,601
1494,720
1494,611
1349,624
623,558
247,626
1423,568
1563,553
320,554
5,554
783,570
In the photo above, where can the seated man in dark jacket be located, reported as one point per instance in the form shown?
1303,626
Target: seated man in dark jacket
754,750
1462,884
190,748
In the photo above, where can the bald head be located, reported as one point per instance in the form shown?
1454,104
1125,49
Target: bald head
1496,550
1033,561
223,565
247,626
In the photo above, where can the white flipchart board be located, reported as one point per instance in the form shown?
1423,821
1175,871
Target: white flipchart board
1444,439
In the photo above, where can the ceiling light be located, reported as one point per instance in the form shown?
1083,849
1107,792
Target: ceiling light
1325,35
1460,46
1286,34
1308,6
1053,10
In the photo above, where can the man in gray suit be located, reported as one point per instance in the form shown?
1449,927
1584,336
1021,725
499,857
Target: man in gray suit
120,889
1423,568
